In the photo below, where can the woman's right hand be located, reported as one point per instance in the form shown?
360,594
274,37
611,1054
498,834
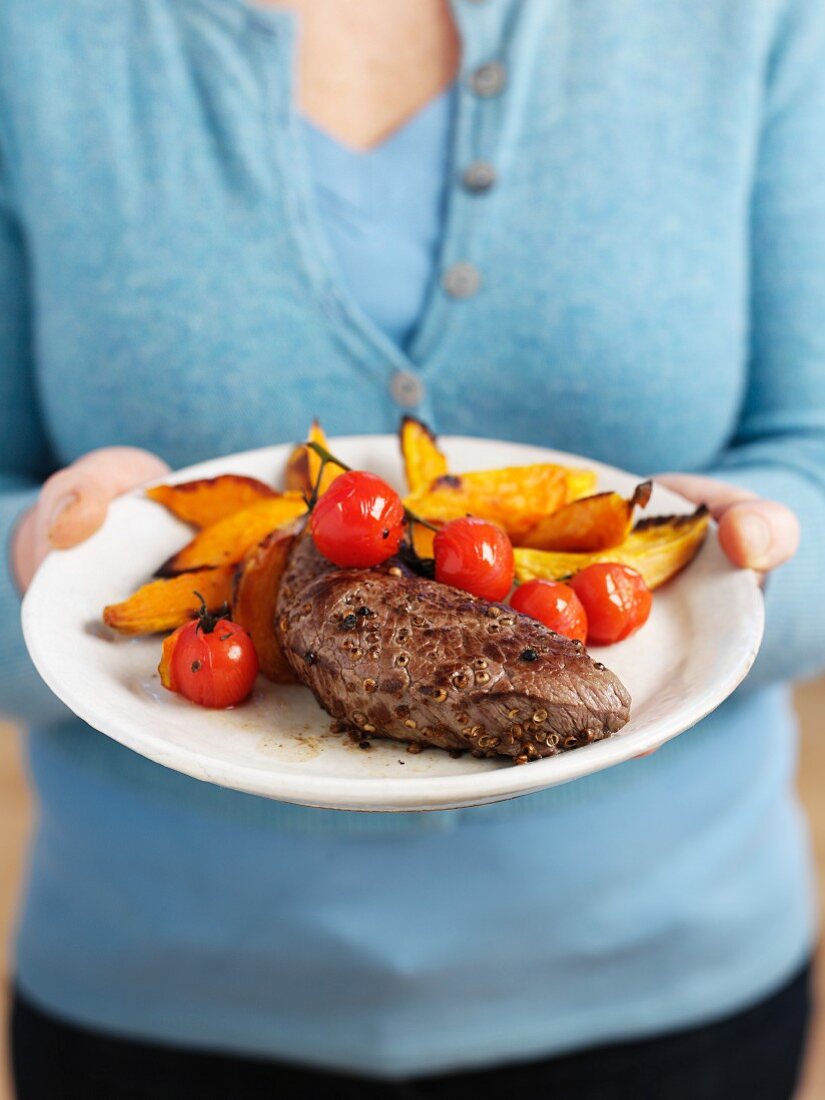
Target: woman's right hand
73,503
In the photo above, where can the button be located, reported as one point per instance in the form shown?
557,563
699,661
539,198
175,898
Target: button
462,280
406,389
479,176
488,79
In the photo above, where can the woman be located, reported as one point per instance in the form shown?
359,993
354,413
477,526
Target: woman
598,226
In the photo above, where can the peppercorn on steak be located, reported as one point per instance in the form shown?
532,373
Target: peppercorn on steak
389,653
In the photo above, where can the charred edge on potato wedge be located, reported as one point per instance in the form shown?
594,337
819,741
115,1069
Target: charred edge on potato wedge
207,500
167,604
588,524
515,497
658,548
226,542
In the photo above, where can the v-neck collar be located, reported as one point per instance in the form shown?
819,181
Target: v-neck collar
484,31
379,181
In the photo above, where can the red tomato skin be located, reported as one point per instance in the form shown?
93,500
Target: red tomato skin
476,556
554,604
616,599
215,669
359,521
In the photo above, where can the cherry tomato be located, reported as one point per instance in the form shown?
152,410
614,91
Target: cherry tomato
211,661
474,555
359,521
616,599
554,604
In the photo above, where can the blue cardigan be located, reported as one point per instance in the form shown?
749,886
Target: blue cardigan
644,282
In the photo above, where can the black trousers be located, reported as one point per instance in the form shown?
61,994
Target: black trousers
754,1055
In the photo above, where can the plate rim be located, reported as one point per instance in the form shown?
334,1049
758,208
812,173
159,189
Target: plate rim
396,794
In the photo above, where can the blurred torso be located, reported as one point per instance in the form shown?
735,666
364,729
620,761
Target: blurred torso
184,300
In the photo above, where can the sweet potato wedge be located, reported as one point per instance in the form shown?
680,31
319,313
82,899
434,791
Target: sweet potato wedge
209,499
168,604
658,548
423,540
423,461
304,465
226,542
590,523
254,597
517,497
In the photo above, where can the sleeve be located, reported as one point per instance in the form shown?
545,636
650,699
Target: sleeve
24,461
779,447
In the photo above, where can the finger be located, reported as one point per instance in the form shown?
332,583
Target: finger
717,495
73,502
118,469
759,534
72,505
23,559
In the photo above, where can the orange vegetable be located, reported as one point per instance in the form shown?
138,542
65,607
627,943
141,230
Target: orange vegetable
516,497
255,596
209,499
657,548
168,604
590,523
304,465
226,541
423,461
423,539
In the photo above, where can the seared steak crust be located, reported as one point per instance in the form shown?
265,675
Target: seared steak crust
393,655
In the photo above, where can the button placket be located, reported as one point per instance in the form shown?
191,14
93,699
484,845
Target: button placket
372,352
484,31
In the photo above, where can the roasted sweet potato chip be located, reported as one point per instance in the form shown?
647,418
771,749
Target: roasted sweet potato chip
209,499
255,595
590,523
517,497
304,465
658,548
168,604
423,461
423,540
228,540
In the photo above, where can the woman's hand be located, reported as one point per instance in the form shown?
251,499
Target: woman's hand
73,503
754,533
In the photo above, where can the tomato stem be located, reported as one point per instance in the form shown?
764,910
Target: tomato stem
206,620
327,457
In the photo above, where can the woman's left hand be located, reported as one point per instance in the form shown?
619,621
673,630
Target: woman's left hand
754,533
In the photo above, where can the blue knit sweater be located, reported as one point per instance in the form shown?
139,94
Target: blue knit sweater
650,291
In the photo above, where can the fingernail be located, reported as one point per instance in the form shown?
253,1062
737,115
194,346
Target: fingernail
755,533
59,511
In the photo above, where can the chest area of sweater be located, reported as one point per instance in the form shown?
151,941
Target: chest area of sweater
177,266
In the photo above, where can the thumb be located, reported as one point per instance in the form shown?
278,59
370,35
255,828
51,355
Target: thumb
73,502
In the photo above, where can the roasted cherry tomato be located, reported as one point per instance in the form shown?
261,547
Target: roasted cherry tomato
211,661
554,604
616,599
474,555
359,521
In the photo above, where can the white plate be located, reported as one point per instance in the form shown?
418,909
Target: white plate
698,644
